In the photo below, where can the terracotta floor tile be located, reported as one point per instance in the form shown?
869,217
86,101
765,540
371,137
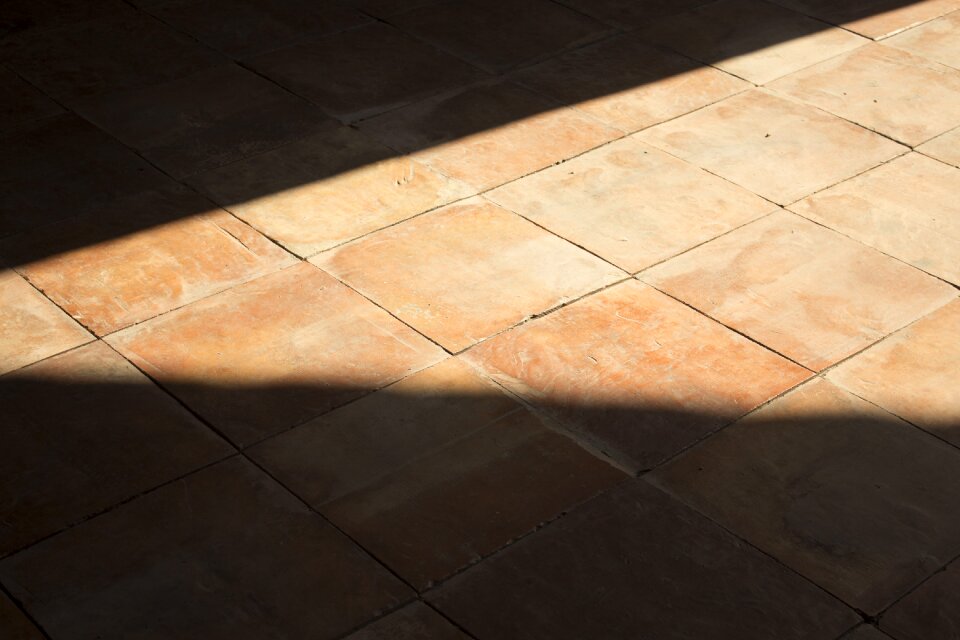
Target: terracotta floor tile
774,147
945,147
364,71
83,431
500,34
491,134
914,374
802,290
14,625
20,102
275,352
752,39
632,13
636,550
415,621
861,503
32,327
145,256
628,84
896,93
631,204
223,553
907,208
467,271
211,118
327,189
873,18
936,40
930,612
638,375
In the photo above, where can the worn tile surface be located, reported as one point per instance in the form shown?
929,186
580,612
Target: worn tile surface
415,621
874,18
945,147
930,612
936,40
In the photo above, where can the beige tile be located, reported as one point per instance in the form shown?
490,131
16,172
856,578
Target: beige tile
945,147
802,290
327,189
936,40
874,18
774,147
631,204
752,39
907,208
467,271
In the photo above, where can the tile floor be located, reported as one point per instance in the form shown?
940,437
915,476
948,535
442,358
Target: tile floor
442,319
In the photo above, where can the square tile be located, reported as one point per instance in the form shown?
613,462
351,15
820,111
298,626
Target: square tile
634,373
327,189
31,327
223,553
801,290
906,208
936,40
21,102
778,149
896,93
631,13
466,271
631,204
752,39
629,84
945,148
142,257
84,431
490,134
635,562
873,18
211,118
275,352
416,621
930,612
914,373
435,472
14,625
861,503
364,71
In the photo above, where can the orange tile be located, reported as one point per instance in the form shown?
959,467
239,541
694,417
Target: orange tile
802,290
632,13
936,40
644,205
275,352
906,208
774,147
945,147
873,18
634,373
464,272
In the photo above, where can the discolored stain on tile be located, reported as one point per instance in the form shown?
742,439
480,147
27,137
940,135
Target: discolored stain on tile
930,612
936,40
873,18
631,13
14,625
945,148
20,102
415,621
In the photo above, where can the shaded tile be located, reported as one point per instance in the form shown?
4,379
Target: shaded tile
327,189
945,147
634,561
930,612
631,13
14,625
83,431
907,208
873,18
774,147
914,373
896,93
22,17
637,374
274,352
205,120
500,34
223,553
364,71
936,40
866,632
464,272
802,290
861,503
385,8
20,102
415,621
752,39
644,205
144,256
628,84
490,134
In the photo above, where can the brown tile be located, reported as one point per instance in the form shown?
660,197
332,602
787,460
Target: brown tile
384,8
752,39
628,84
636,374
936,40
467,271
211,118
914,374
634,561
20,102
644,205
490,134
364,71
415,621
873,18
22,17
327,189
631,13
896,93
866,632
275,352
861,503
223,553
907,208
930,612
143,257
945,147
14,625
500,34
84,431
802,290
